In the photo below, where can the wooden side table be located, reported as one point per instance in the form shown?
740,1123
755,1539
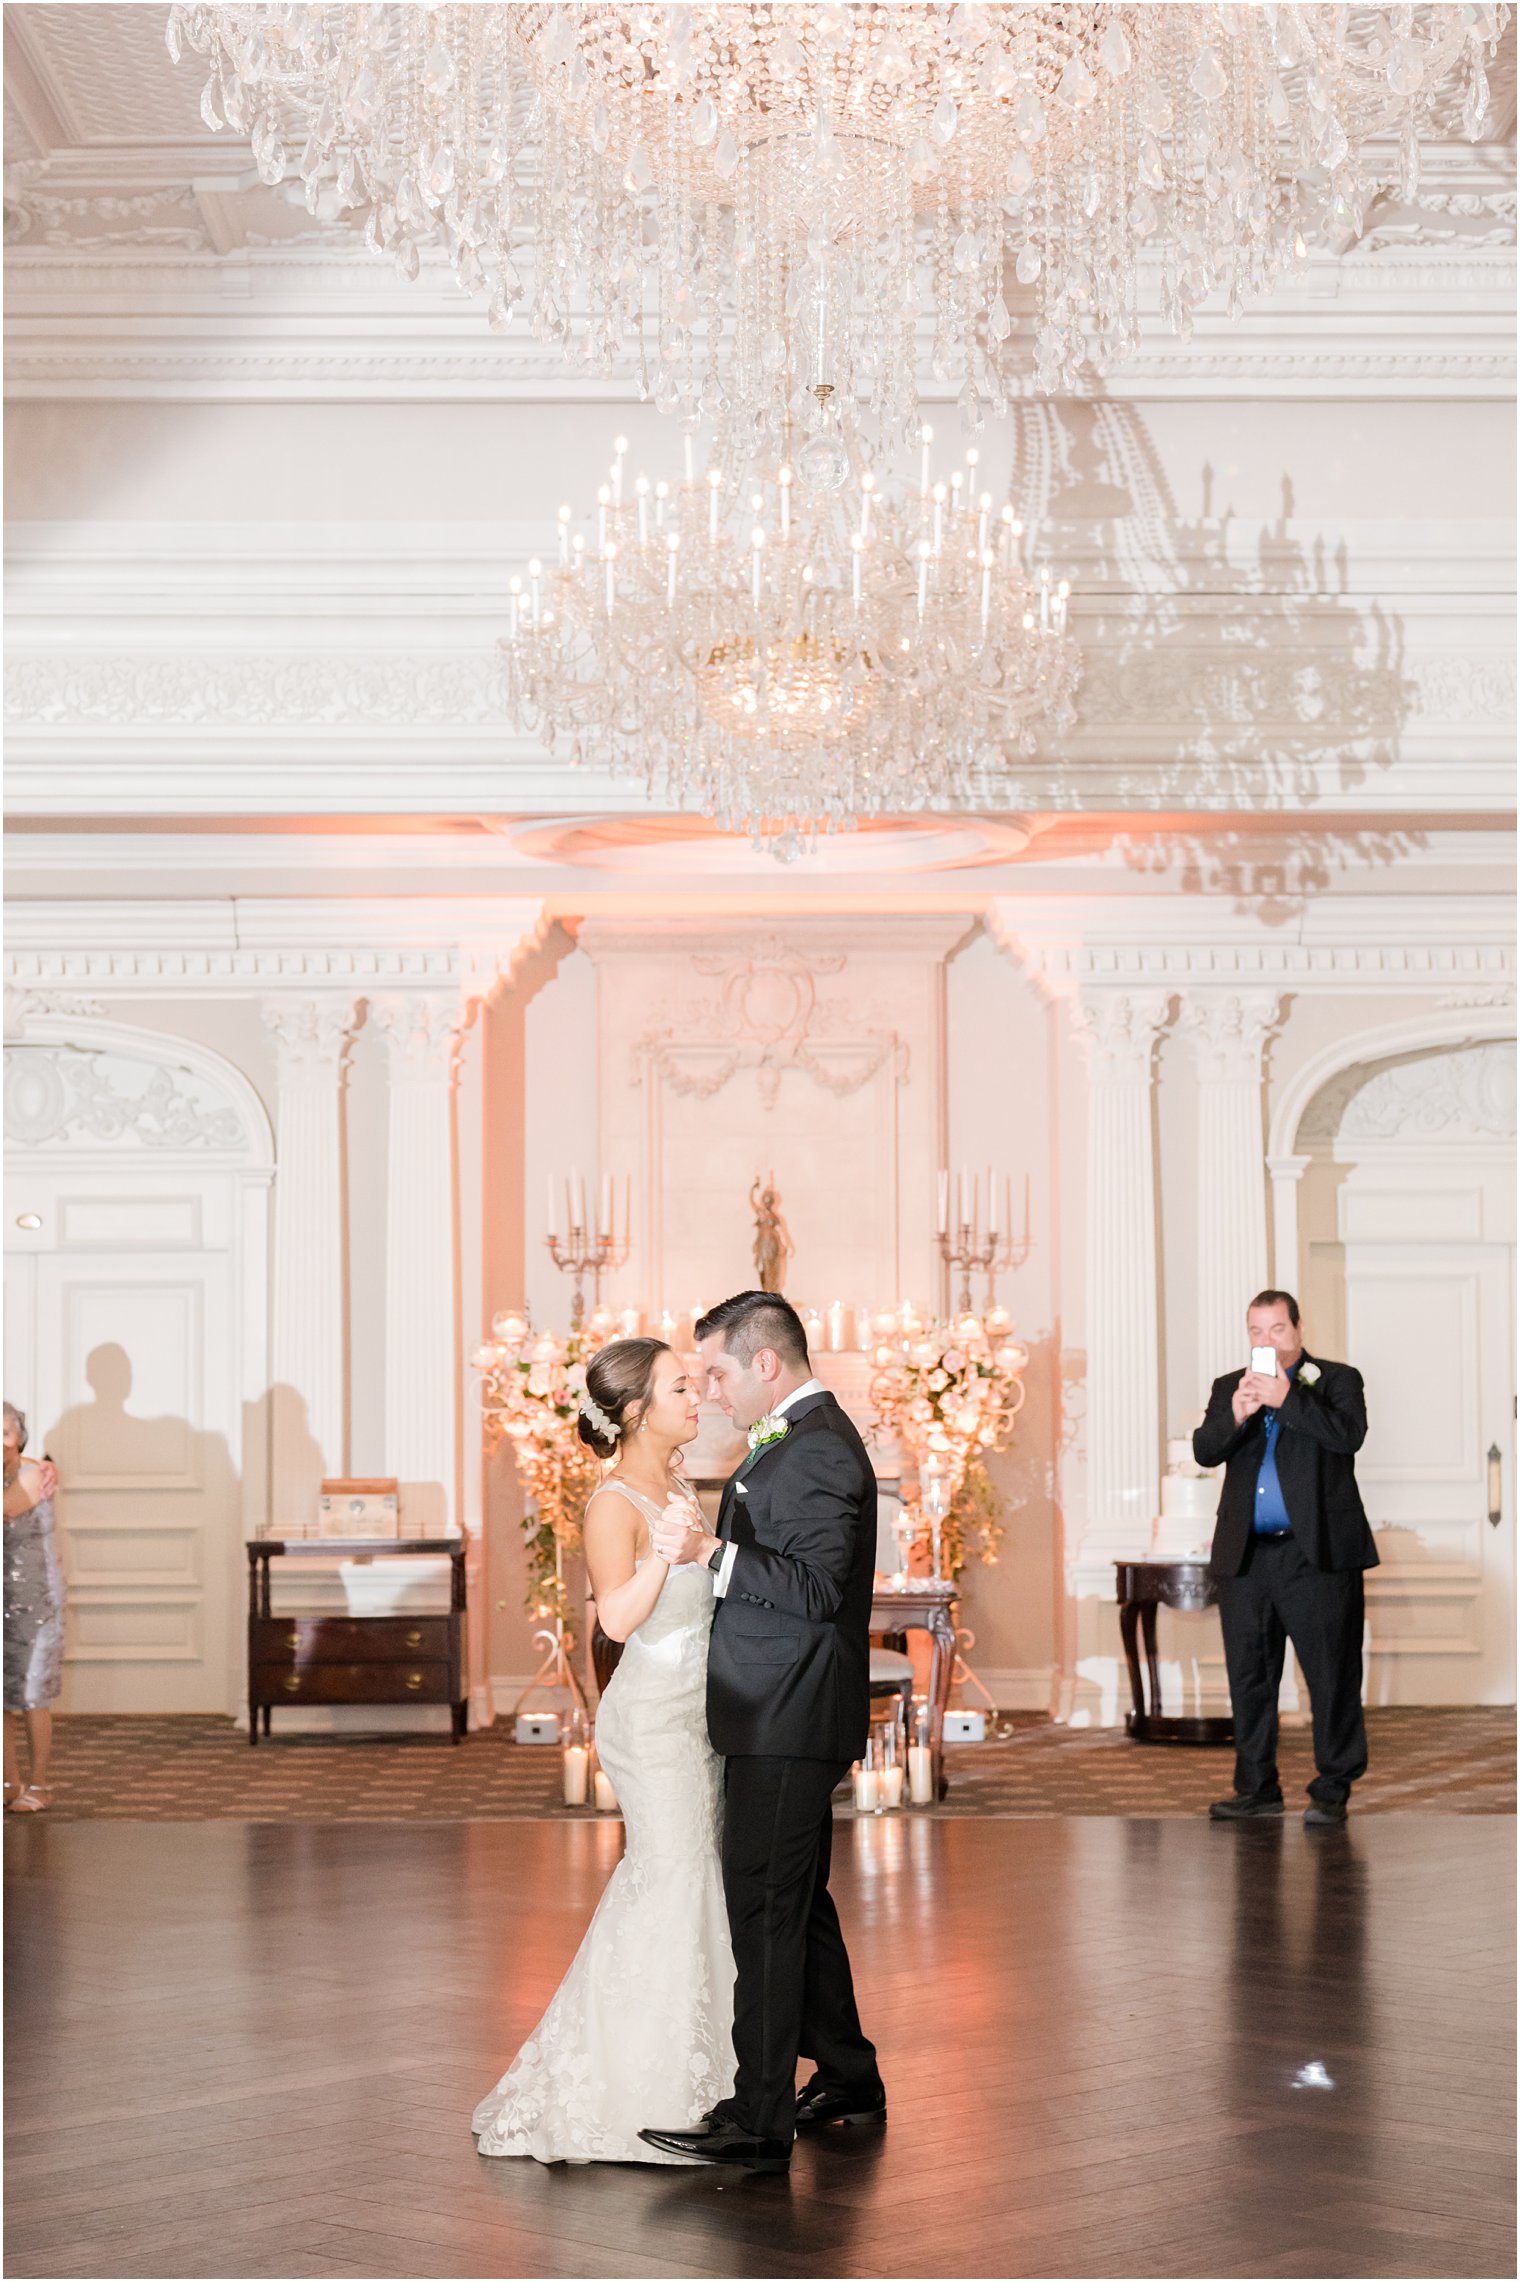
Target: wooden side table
1143,1587
925,1608
354,1659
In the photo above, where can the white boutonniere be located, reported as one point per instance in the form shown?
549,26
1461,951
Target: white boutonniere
1308,1374
768,1429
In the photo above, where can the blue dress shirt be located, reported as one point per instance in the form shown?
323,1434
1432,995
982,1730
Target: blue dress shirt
1270,1518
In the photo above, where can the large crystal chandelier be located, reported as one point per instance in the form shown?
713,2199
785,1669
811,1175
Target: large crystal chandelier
790,655
745,199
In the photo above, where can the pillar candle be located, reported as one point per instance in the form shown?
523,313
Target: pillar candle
606,1797
920,1774
867,1790
577,1774
837,1327
891,1782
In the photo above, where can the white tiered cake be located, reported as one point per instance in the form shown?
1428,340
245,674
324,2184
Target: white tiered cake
1189,1497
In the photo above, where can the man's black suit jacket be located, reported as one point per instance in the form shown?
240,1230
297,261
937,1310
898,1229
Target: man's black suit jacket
789,1663
1322,1425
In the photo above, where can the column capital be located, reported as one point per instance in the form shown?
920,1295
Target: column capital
423,1029
1122,1029
1230,1029
312,1034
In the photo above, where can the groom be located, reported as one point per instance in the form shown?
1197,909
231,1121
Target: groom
788,1706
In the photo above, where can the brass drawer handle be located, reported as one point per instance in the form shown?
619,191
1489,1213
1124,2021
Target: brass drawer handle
414,1640
294,1640
292,1684
414,1679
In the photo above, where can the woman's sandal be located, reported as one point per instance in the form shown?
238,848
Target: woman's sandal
34,1799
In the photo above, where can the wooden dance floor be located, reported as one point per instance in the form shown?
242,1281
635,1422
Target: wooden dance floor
1111,2048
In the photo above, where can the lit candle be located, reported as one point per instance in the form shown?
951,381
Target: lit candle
867,1789
891,1783
926,438
577,1773
564,537
983,510
920,1774
606,1796
986,588
939,515
956,480
1063,593
944,1202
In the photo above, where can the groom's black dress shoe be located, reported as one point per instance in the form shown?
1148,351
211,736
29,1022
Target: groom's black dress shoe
818,2106
723,2142
1245,1807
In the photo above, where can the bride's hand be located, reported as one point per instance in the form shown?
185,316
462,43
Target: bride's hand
679,1533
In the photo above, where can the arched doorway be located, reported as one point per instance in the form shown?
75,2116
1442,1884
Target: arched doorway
1406,1253
136,1297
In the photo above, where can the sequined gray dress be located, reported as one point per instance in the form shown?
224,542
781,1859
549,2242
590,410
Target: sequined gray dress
33,1610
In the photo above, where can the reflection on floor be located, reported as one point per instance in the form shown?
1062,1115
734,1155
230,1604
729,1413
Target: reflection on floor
1456,1762
1112,2048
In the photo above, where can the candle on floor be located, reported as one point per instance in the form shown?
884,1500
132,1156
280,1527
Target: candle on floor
606,1796
577,1774
867,1789
891,1783
920,1774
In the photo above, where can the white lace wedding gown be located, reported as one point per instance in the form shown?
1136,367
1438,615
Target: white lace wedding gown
640,2031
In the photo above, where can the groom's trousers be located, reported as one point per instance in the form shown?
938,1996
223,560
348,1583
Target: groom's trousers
793,1993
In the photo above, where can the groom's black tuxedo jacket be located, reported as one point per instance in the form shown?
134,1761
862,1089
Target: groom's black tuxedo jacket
1322,1425
789,1664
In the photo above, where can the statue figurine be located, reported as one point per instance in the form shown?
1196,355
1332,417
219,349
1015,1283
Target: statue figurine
773,1243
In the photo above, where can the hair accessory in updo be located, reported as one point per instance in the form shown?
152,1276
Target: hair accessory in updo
594,1415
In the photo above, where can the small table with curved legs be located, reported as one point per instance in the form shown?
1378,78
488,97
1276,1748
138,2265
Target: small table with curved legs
1143,1587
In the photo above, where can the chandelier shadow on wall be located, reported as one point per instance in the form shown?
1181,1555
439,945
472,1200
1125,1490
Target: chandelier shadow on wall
738,202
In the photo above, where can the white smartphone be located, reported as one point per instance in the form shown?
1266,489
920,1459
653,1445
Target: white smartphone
1264,1361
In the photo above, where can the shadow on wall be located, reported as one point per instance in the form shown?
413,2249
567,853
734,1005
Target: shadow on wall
1244,659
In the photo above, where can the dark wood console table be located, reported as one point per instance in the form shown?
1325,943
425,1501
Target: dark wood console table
924,1608
1143,1587
354,1659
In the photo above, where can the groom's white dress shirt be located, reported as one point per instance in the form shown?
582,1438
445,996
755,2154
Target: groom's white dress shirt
725,1567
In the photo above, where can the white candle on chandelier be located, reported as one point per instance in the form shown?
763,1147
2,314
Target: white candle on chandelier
661,494
672,549
784,484
856,545
983,510
713,481
641,493
926,438
1063,595
939,515
620,446
564,537
757,543
986,585
956,480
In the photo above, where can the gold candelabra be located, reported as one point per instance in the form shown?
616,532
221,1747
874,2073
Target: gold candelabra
977,1237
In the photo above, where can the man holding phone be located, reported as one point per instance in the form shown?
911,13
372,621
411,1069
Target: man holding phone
1290,1543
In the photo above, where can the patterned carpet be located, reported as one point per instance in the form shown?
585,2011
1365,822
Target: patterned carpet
201,1770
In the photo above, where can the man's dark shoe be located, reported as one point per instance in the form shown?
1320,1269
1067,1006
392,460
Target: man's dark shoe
723,2142
1248,1809
1324,1814
817,2107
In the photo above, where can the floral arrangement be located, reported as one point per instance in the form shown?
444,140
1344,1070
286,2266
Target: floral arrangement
950,1391
531,1388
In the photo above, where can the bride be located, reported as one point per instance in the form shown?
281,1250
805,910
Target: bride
642,2024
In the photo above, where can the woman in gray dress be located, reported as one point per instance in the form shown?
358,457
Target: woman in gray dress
33,1618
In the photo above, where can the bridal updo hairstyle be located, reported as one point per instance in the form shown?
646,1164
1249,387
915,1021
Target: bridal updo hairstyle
620,1381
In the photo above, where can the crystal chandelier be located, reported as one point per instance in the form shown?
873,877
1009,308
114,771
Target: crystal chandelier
788,656
744,200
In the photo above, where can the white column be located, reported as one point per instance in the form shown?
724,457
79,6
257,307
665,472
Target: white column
308,1318
1229,1030
1123,1377
1286,1174
422,1330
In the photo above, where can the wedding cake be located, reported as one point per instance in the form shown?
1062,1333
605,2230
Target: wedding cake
1189,1499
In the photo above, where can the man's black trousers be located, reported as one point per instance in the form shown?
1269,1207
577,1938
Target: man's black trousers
1278,1596
793,1992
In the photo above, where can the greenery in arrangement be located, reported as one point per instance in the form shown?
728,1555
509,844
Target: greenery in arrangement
951,1391
531,1388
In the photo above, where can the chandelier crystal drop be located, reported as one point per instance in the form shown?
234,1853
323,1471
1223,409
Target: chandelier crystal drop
788,659
741,201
